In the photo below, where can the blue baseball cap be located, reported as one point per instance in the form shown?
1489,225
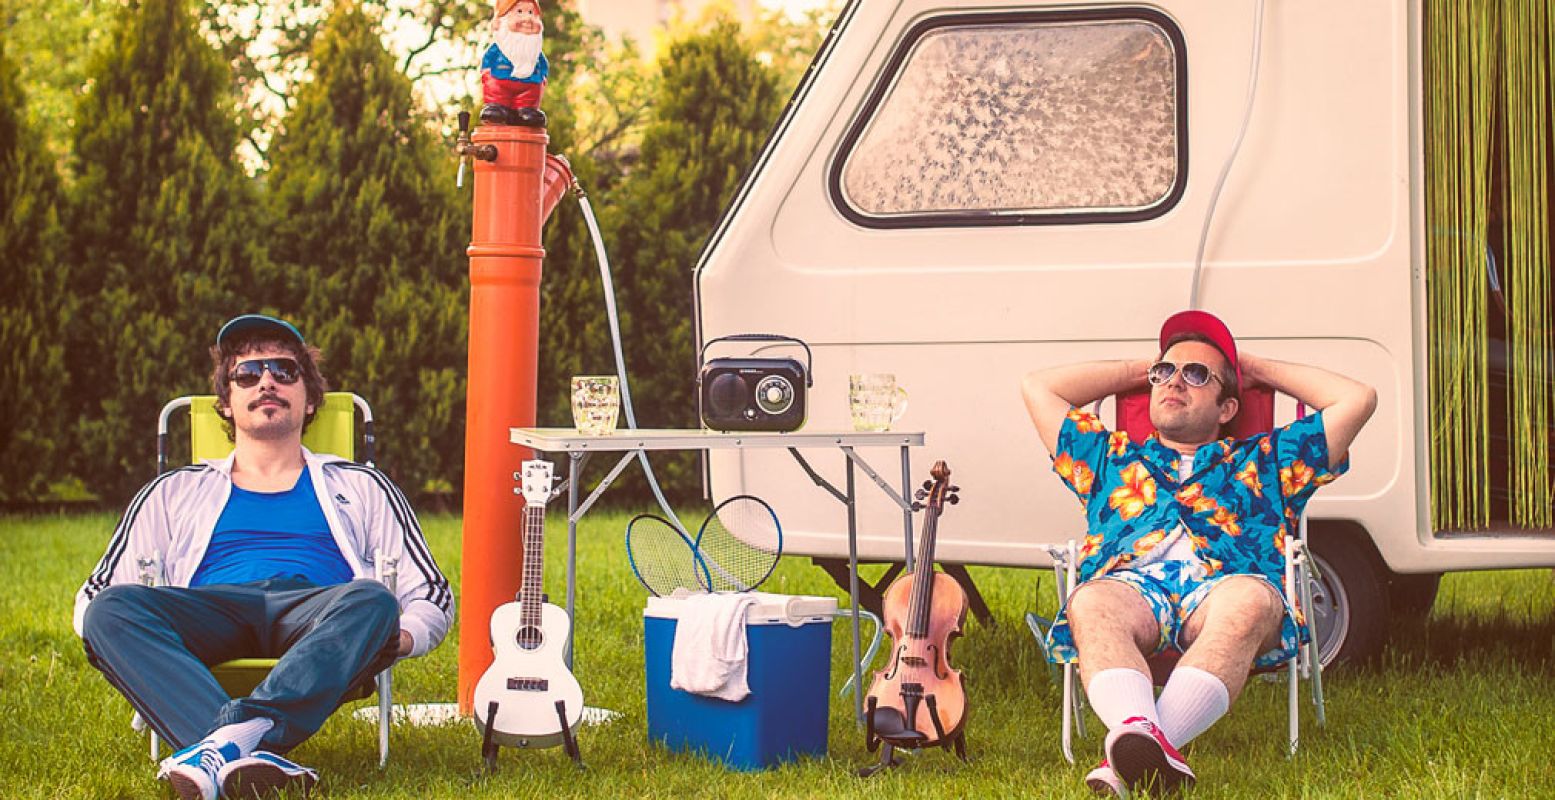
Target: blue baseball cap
253,323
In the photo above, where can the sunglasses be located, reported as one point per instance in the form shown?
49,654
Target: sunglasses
246,374
1193,373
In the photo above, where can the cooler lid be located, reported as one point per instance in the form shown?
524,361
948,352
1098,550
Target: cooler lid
770,609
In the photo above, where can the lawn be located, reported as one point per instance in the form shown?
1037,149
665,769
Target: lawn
1460,705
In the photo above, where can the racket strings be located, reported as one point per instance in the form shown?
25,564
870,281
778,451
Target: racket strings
736,548
740,543
661,557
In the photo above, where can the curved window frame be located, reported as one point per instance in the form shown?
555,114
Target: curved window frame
990,218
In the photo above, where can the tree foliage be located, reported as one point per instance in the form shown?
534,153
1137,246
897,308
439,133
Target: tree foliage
367,236
34,305
161,222
129,236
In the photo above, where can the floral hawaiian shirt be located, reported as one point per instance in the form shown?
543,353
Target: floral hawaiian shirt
1243,498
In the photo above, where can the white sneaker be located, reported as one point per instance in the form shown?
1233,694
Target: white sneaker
1143,757
192,771
1105,782
263,774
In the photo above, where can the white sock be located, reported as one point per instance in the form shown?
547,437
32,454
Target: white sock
245,734
1119,694
1191,702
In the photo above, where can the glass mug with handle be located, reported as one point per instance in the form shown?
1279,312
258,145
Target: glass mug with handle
596,400
875,401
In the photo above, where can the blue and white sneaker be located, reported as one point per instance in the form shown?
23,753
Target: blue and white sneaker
192,771
263,774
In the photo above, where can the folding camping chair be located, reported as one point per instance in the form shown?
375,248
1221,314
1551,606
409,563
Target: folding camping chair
332,431
1256,416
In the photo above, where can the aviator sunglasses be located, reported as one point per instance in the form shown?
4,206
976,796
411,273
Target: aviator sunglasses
246,374
1193,373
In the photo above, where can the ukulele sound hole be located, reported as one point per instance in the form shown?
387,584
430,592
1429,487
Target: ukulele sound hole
530,638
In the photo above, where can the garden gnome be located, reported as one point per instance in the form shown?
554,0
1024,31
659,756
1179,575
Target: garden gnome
513,70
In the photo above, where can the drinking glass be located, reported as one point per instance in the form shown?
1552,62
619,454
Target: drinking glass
596,400
875,401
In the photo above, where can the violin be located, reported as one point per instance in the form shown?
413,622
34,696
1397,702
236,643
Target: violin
918,700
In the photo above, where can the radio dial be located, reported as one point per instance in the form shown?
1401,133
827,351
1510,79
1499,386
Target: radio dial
774,394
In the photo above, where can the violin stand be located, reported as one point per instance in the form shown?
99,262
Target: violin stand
887,729
489,748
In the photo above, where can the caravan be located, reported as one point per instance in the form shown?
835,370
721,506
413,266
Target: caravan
959,193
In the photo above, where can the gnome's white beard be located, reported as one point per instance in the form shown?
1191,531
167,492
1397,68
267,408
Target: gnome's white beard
523,49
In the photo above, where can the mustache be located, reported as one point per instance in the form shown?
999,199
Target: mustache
268,398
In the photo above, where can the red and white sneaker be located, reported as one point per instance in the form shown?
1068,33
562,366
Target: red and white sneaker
1105,782
1141,756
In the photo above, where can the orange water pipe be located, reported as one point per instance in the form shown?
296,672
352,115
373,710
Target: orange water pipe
505,265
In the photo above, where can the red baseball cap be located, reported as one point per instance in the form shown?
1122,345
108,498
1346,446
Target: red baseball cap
1210,327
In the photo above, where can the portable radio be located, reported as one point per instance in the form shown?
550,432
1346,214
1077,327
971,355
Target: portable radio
751,393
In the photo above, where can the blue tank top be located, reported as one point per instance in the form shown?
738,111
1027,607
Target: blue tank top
263,535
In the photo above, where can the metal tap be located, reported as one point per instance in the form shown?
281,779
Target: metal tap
466,151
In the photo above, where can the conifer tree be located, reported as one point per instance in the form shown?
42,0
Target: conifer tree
715,106
367,244
162,223
33,302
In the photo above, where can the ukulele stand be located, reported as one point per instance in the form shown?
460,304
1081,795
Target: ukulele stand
900,736
489,748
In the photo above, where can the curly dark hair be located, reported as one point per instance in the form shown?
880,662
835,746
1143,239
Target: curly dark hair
225,356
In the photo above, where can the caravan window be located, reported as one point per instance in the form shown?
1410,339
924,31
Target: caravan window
1057,117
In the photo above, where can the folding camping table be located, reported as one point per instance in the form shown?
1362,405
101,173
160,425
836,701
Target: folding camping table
630,443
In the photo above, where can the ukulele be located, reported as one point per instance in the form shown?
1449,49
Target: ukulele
918,700
527,697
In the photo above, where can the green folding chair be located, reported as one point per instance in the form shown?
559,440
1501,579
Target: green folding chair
332,431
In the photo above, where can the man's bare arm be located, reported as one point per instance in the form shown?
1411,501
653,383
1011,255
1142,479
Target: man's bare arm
1346,404
1050,393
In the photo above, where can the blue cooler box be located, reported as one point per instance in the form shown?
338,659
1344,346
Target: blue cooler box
789,673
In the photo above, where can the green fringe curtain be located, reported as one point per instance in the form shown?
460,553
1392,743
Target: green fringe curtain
1487,93
1526,200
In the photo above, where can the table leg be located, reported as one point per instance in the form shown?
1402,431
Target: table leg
573,460
858,672
907,511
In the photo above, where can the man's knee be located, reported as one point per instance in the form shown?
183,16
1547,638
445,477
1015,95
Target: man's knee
369,597
111,608
1108,604
1250,603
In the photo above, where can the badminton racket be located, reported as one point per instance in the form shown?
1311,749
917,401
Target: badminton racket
662,558
739,544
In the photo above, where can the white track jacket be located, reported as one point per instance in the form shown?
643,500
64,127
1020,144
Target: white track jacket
173,517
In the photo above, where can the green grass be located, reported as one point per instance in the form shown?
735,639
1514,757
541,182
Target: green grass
1459,707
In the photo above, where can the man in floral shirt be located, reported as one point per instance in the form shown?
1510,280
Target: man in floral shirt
1186,532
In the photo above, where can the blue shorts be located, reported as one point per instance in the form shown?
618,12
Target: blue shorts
1173,590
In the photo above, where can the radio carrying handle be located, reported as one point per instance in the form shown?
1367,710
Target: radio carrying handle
809,378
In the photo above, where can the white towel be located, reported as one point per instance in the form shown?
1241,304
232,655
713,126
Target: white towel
709,654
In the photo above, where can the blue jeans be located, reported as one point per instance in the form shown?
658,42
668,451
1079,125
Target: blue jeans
156,644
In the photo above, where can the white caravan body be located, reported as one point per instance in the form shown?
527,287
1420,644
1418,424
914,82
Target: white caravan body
1315,253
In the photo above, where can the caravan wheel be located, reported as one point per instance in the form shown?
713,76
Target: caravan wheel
1349,606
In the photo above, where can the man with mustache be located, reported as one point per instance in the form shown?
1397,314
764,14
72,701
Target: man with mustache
1185,530
268,553
513,70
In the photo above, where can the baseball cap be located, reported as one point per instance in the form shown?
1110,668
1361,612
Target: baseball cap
252,323
1210,327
